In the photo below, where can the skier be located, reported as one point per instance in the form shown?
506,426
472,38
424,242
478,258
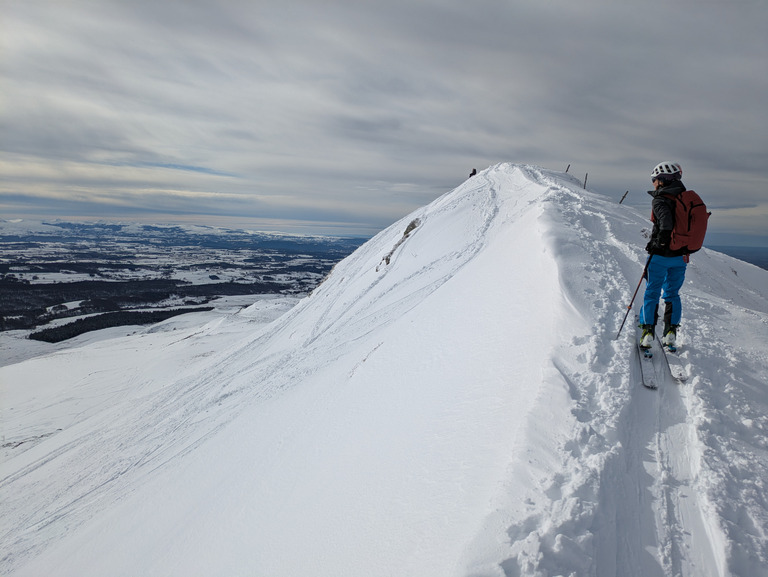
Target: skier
666,267
473,173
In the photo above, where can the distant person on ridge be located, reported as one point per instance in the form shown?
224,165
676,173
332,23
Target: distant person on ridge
666,267
473,173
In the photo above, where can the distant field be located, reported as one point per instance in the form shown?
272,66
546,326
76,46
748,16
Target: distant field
55,273
754,255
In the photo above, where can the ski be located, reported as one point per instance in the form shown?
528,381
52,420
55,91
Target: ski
647,371
674,363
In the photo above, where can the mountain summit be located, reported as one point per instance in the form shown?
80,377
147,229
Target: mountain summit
449,402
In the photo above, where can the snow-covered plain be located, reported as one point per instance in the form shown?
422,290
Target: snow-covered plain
461,408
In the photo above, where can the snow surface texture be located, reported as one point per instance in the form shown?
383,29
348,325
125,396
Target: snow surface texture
449,402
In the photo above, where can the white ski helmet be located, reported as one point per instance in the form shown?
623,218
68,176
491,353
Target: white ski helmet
670,168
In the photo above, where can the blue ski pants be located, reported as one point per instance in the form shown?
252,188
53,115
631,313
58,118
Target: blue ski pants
665,274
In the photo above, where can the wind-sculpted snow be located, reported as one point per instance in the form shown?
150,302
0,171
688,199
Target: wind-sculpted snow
450,401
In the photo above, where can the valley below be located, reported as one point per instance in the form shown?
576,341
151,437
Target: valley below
59,280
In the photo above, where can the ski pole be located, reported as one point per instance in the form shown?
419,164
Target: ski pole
629,307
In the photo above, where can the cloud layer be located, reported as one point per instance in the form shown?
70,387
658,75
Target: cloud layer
345,115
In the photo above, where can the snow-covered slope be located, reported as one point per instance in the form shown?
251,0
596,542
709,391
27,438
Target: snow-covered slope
450,401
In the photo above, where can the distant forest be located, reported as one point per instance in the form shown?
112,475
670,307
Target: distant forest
108,320
129,273
26,306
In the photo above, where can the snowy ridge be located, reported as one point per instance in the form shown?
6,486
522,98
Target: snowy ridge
458,408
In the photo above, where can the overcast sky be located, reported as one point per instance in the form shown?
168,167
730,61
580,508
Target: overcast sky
342,116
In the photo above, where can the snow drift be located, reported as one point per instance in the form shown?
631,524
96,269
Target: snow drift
450,401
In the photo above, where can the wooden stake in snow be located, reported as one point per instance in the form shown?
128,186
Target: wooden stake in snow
623,197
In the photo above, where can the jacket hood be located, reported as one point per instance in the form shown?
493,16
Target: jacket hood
674,188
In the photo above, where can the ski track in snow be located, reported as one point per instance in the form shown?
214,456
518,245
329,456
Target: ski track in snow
661,503
629,482
179,418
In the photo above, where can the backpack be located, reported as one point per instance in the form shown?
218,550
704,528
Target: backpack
691,218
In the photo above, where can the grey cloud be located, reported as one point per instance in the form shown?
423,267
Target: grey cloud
383,106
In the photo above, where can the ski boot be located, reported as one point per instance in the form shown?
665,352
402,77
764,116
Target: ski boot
646,340
669,339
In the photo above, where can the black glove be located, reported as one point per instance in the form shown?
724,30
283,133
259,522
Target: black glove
665,236
660,243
